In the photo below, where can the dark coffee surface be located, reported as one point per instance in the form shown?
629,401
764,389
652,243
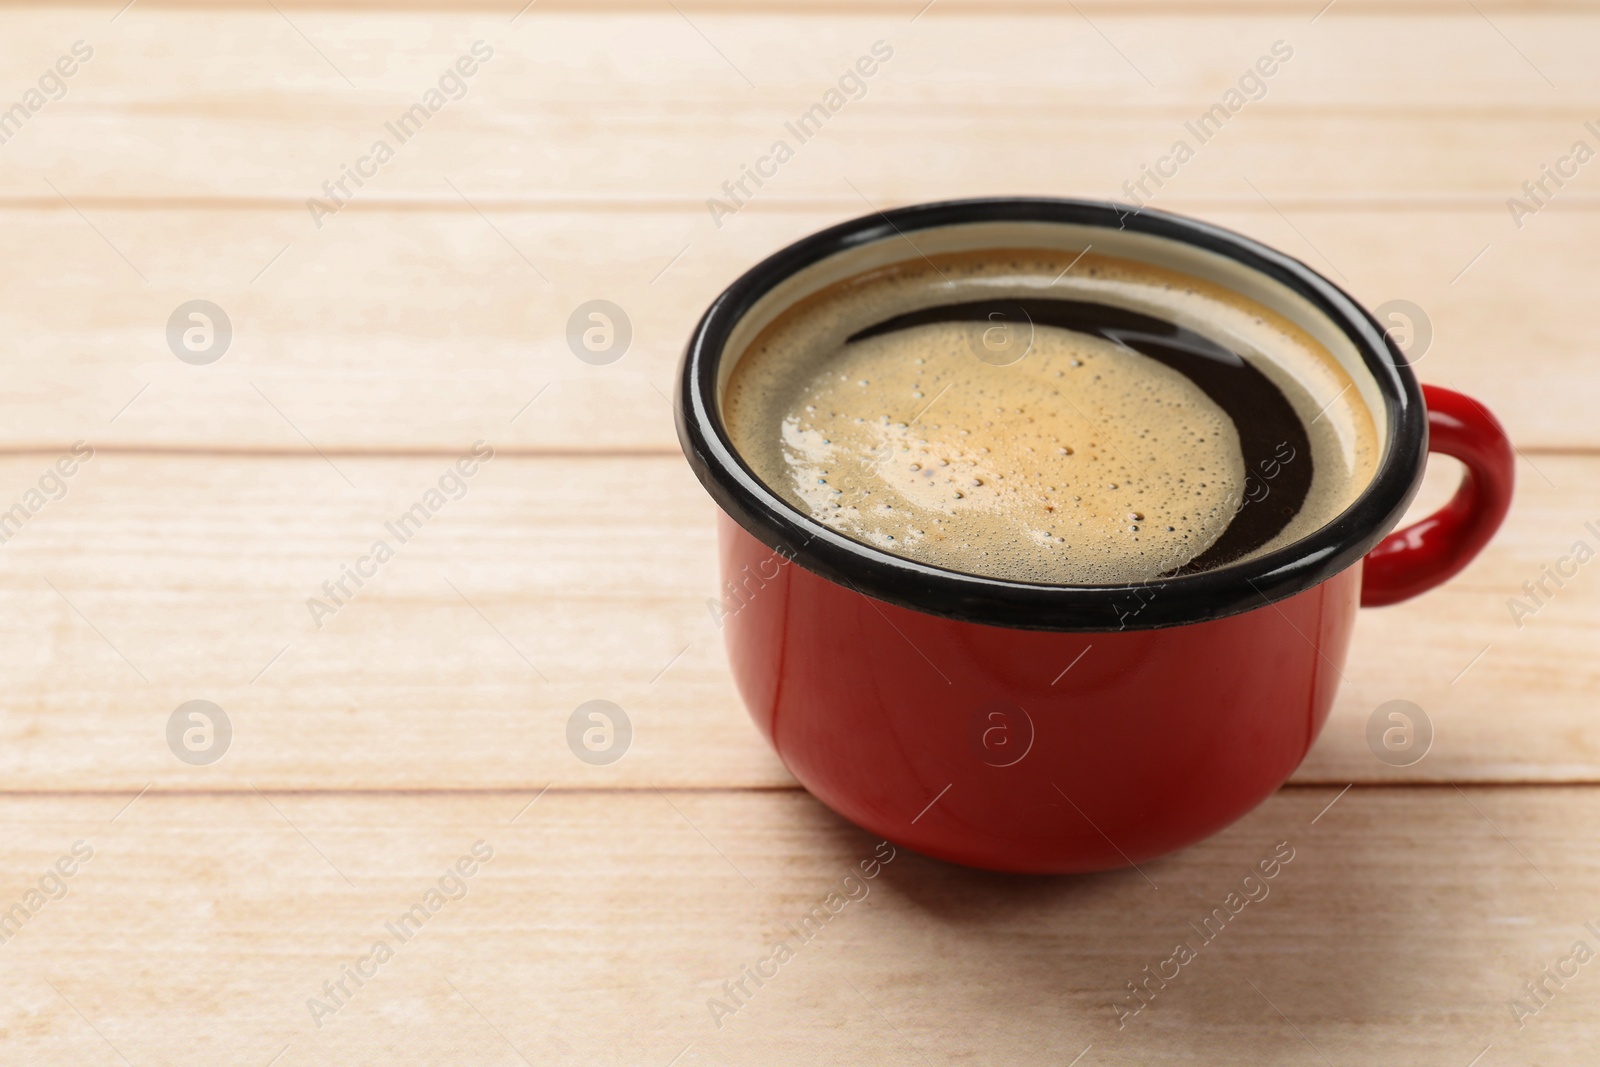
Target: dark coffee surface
1051,417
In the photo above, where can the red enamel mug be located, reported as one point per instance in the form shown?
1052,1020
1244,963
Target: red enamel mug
1020,726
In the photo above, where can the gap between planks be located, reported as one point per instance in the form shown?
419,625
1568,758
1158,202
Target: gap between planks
917,9
730,790
362,452
509,452
1571,203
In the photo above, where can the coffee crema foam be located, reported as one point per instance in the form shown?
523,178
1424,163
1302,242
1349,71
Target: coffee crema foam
1020,450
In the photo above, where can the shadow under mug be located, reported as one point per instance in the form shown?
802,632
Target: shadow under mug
1046,728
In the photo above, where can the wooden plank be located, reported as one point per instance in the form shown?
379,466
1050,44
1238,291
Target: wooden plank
888,152
1450,59
1399,930
555,581
598,105
406,330
548,584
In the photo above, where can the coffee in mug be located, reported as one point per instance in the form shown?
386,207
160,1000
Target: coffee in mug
1050,417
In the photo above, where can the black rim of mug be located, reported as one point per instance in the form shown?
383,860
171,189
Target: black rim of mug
1175,601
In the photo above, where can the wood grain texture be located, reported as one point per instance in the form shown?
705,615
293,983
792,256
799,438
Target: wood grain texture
559,580
399,330
427,314
457,666
1452,61
890,152
429,713
1399,932
256,104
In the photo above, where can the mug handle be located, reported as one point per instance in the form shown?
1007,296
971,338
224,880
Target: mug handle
1432,551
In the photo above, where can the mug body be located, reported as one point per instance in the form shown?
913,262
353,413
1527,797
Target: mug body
1025,726
1028,750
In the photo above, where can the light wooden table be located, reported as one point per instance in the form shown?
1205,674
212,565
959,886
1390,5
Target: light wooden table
371,753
